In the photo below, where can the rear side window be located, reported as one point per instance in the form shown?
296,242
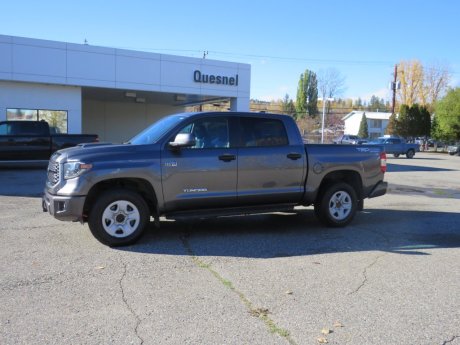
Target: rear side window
257,132
28,128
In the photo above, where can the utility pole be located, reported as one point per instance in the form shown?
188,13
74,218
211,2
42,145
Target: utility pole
393,87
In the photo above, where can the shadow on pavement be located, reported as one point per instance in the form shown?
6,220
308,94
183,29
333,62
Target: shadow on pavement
392,167
282,235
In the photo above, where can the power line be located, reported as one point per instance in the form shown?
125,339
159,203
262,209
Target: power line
198,52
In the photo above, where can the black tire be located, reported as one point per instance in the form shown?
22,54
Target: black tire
396,155
118,217
329,209
410,154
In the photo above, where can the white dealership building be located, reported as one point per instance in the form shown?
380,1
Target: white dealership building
112,92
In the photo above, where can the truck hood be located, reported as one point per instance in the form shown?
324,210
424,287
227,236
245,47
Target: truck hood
102,152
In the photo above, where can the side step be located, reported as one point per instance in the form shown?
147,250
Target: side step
233,211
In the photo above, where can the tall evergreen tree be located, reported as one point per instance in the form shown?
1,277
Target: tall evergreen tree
301,99
404,120
392,126
312,95
307,95
363,128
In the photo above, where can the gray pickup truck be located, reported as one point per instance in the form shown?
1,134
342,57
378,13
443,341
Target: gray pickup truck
208,165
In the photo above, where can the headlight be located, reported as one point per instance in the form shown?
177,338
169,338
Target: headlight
75,169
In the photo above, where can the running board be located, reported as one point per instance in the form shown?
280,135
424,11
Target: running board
233,211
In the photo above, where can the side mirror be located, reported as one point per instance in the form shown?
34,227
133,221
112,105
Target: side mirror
183,140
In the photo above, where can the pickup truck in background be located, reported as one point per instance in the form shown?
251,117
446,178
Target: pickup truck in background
396,146
34,141
209,165
349,139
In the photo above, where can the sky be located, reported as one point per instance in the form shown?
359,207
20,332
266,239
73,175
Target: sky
363,40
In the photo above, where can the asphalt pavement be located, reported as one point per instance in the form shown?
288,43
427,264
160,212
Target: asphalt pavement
392,277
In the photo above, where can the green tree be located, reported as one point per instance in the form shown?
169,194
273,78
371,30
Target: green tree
413,121
392,126
287,106
448,115
376,104
435,131
358,103
404,121
425,119
307,95
363,129
312,95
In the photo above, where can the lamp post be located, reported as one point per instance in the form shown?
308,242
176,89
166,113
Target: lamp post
324,100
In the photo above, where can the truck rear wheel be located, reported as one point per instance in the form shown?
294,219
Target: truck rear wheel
118,217
337,206
410,153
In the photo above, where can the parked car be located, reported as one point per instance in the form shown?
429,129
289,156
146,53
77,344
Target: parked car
349,139
207,165
454,149
396,146
32,141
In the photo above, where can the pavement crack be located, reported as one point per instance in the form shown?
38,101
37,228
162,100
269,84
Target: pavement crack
451,340
364,273
260,313
128,306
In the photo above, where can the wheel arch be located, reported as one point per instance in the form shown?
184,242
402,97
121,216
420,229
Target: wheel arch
138,185
350,177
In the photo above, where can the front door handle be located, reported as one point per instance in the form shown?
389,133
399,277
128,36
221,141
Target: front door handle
227,157
294,156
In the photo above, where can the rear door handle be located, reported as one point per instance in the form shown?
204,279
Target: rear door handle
294,156
227,157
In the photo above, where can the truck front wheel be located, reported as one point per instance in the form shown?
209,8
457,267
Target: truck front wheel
118,217
410,153
337,206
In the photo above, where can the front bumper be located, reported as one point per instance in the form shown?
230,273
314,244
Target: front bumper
65,208
379,189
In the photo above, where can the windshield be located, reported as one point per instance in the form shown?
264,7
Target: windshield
152,134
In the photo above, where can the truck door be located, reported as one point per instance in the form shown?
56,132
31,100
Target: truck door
396,145
203,176
269,169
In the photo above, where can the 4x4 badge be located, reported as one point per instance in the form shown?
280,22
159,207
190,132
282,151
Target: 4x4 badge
171,164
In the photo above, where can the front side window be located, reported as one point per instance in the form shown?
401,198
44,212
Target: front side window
209,133
262,132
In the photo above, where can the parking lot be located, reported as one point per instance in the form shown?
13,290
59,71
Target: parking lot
392,277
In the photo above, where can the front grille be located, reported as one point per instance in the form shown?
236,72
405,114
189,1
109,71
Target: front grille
53,173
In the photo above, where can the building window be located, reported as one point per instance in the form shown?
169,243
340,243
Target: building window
57,119
376,123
